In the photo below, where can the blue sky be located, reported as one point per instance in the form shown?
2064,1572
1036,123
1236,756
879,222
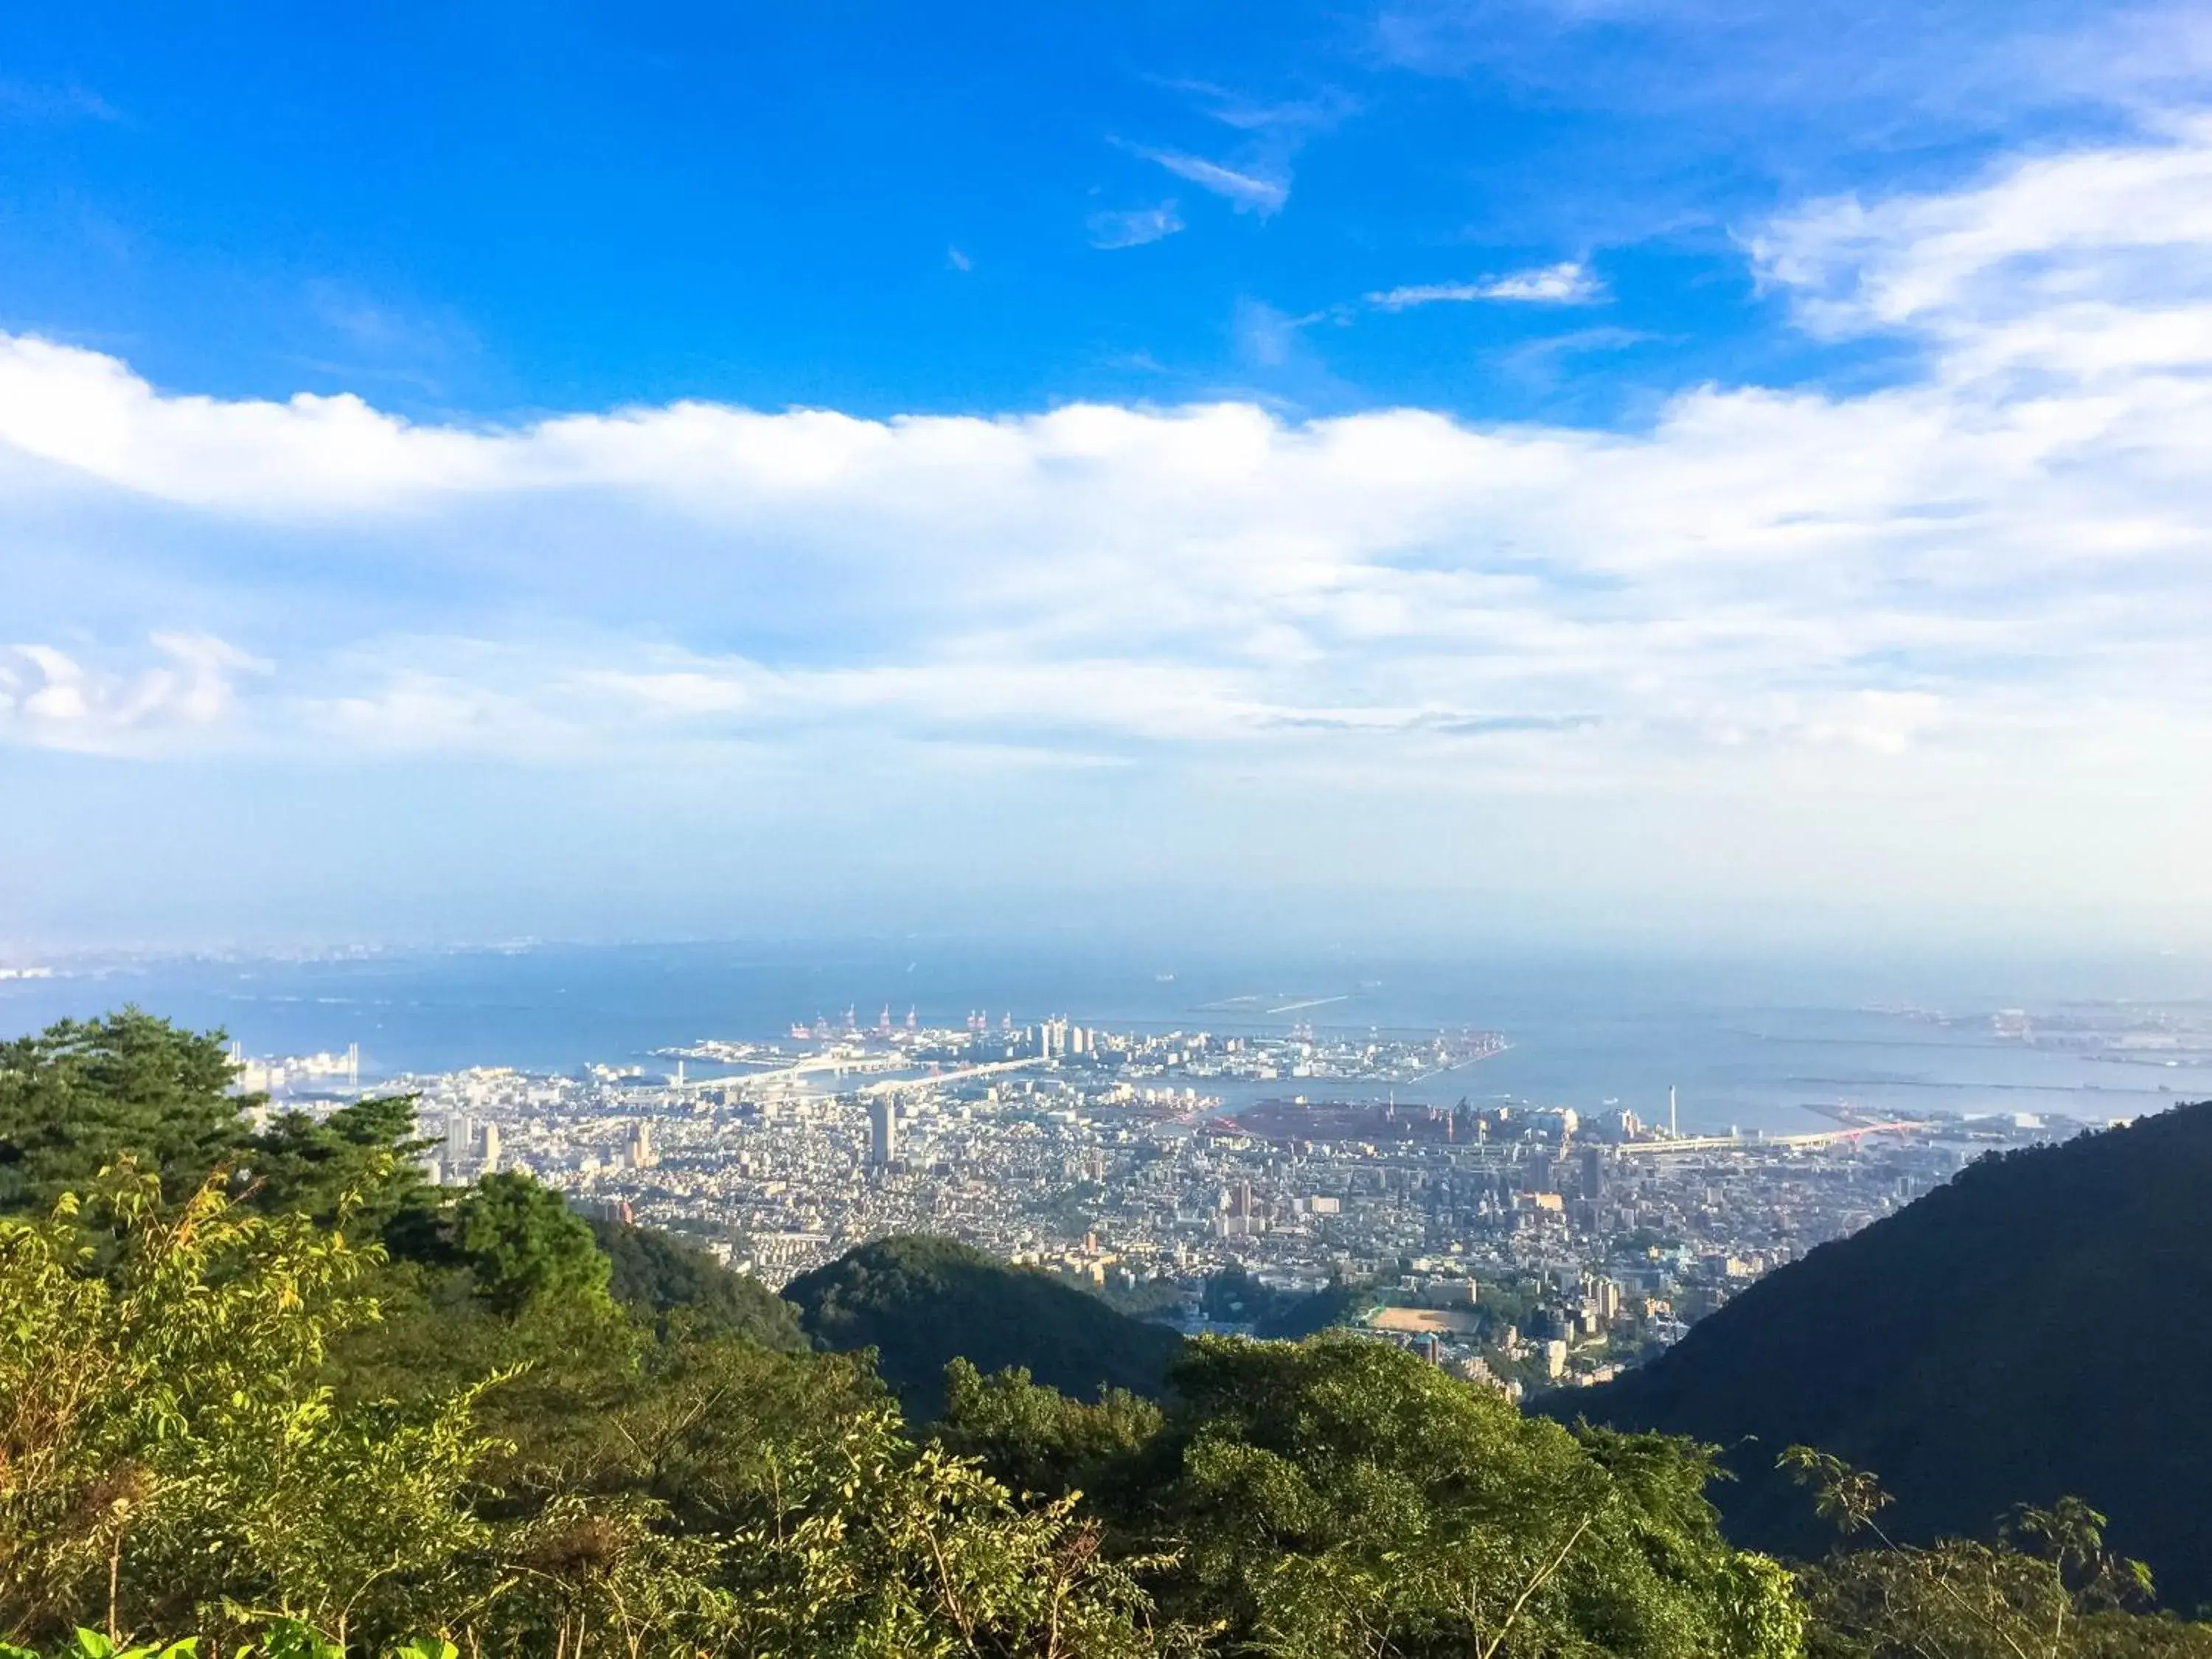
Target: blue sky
490,209
1560,466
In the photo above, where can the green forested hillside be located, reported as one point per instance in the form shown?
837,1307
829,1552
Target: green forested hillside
679,1283
2034,1328
922,1301
264,1391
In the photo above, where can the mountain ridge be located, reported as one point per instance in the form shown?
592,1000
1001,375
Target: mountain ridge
922,1300
2029,1329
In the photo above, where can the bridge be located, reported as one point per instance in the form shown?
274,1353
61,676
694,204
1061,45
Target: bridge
897,1085
836,1063
1741,1143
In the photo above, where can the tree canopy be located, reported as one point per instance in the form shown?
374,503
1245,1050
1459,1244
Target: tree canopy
523,1243
679,1283
83,1094
921,1302
1341,1497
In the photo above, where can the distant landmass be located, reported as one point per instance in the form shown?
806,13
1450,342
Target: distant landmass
2035,1328
923,1301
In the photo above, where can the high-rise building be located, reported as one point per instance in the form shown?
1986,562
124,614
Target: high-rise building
490,1148
1593,1159
883,1133
641,1155
460,1138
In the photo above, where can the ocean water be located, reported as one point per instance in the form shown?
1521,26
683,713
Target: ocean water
1747,1045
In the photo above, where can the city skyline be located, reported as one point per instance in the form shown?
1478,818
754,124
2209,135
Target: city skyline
1596,474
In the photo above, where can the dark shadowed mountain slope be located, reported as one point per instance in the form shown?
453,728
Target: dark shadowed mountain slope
922,1301
680,1284
2040,1326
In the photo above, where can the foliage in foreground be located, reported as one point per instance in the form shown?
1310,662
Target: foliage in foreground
2046,1588
1339,1498
171,1459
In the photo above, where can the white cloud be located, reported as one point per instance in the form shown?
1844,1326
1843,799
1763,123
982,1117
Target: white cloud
1569,284
2097,263
1133,227
316,454
1249,191
51,698
1953,589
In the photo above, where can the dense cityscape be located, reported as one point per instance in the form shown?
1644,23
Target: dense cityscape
1268,1182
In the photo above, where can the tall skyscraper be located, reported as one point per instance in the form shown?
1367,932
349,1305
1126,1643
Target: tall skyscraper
883,1133
1593,1173
490,1148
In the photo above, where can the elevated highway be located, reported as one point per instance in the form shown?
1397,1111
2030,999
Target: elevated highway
892,1085
1744,1143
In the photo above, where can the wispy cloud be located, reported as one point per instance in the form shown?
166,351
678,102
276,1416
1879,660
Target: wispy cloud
957,260
26,100
1538,361
1264,337
1257,179
1941,67
1317,113
1568,283
1264,194
1133,227
367,336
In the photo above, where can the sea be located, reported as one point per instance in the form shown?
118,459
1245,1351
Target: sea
1745,1045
